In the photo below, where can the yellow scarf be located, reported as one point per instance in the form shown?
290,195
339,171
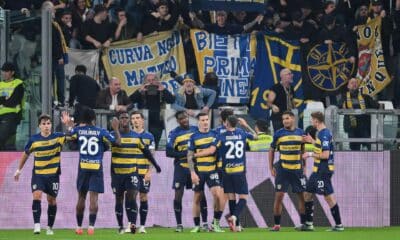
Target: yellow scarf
349,105
63,42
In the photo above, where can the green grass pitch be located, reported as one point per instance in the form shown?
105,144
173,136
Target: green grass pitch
249,233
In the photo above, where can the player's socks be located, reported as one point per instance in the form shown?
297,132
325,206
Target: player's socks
232,205
277,219
131,211
196,221
203,210
239,208
79,219
119,213
51,215
92,219
178,212
36,210
144,207
217,215
309,212
336,214
302,218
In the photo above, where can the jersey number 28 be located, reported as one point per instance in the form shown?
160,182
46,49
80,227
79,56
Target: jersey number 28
236,150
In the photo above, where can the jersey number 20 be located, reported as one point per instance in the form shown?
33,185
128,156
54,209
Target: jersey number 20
89,146
236,150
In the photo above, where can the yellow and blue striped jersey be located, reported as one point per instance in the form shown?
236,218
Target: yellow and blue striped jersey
92,142
124,158
324,142
177,144
219,130
46,152
232,149
143,163
289,143
198,142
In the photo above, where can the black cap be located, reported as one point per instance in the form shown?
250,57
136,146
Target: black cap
7,67
376,2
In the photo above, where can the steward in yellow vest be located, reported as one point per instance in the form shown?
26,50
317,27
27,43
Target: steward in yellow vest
264,140
11,99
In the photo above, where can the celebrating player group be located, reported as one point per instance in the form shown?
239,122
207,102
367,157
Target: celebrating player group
202,156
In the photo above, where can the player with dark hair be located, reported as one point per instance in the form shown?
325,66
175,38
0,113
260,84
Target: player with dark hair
232,149
320,179
204,170
92,143
144,168
46,147
177,145
289,170
125,180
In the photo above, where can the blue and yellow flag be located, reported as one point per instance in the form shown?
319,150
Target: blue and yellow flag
273,54
231,57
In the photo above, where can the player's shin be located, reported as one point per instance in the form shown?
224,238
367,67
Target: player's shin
36,210
51,215
144,206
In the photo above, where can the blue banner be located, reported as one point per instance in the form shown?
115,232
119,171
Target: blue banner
274,54
230,5
231,57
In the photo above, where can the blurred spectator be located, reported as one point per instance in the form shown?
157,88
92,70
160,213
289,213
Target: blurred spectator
191,97
79,10
329,7
280,98
386,30
357,126
330,33
298,29
123,30
11,102
264,138
84,90
151,96
97,32
66,25
113,97
222,27
19,5
211,82
163,19
361,16
59,56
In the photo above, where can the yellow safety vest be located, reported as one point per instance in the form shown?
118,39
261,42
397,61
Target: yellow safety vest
262,144
7,90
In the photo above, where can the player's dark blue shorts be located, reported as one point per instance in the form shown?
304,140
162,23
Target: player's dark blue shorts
211,179
182,178
47,184
144,187
124,182
92,181
320,183
235,183
295,179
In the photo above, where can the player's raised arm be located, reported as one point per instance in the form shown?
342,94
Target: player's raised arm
115,127
247,127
